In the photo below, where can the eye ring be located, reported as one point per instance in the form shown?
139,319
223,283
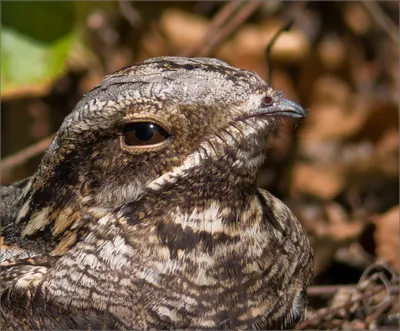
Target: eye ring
144,135
268,101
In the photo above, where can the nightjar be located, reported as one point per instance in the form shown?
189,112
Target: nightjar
144,212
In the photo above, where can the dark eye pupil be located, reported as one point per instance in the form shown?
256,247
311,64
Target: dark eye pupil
144,133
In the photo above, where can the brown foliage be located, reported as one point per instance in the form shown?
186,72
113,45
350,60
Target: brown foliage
338,171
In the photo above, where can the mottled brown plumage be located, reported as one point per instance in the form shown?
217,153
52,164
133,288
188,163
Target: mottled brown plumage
144,212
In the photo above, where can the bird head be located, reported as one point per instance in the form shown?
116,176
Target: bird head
164,133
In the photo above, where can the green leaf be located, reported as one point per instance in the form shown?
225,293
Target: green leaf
36,37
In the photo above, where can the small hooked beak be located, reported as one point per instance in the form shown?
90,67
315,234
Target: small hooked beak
285,107
282,107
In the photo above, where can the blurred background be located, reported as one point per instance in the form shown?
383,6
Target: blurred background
338,170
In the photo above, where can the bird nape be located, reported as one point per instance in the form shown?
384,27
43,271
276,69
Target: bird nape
144,212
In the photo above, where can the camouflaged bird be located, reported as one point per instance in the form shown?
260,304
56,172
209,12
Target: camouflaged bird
144,212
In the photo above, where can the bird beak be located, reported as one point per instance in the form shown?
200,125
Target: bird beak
289,108
283,107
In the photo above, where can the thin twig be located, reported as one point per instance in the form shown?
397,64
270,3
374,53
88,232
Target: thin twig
130,13
230,28
329,311
228,19
22,156
286,27
329,290
382,20
359,301
218,21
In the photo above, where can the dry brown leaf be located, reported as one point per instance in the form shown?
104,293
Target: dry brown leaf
335,112
330,229
354,255
355,325
329,89
387,236
323,181
389,143
357,18
339,225
250,41
182,29
381,117
291,47
333,122
332,52
386,153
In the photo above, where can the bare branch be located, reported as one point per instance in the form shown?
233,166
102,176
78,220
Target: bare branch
130,13
22,156
382,20
226,22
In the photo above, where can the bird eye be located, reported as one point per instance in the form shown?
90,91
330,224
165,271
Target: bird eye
268,101
144,134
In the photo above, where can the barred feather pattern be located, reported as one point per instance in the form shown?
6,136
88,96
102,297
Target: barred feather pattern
175,236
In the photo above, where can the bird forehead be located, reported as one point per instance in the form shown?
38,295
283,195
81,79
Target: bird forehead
195,78
185,67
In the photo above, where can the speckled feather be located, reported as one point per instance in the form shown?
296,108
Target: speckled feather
107,236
